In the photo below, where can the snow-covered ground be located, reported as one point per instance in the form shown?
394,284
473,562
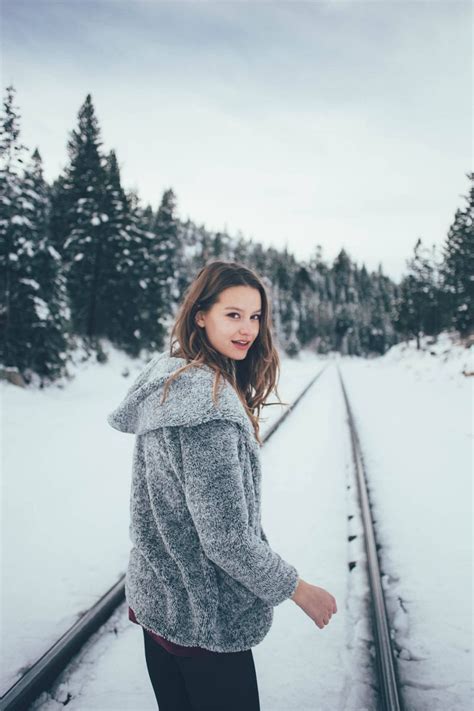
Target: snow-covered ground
414,416
65,530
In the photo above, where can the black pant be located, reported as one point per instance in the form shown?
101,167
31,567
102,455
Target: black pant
221,682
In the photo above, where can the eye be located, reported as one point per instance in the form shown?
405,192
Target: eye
234,313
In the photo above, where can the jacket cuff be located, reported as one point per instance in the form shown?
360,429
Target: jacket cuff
287,586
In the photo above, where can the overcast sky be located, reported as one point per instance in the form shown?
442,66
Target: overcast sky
345,124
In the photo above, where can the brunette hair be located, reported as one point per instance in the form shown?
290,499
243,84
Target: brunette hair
255,376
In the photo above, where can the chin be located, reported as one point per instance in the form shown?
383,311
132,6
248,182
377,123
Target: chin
238,356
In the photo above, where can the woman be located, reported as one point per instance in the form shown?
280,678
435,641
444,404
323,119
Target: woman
202,579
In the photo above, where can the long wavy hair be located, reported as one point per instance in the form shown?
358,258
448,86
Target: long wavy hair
254,377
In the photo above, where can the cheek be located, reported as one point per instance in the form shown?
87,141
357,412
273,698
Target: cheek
224,327
229,326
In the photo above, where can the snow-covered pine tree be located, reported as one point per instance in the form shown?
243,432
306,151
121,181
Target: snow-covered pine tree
167,257
382,334
134,325
345,320
12,222
282,269
458,266
241,251
315,322
120,269
147,218
407,321
81,197
303,293
61,200
418,307
50,336
258,257
147,312
34,313
365,297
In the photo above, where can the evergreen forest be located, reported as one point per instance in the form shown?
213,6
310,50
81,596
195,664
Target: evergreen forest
84,260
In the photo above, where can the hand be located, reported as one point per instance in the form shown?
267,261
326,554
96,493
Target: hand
316,602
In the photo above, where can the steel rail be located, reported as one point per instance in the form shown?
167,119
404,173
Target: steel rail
387,673
40,676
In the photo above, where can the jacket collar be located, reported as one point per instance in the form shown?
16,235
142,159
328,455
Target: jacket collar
188,401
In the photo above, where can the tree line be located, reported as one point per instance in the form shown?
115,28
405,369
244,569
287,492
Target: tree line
84,259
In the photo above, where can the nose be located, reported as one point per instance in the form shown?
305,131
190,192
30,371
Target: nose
247,330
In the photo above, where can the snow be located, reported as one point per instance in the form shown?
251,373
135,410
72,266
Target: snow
20,220
41,309
414,416
30,282
68,515
53,252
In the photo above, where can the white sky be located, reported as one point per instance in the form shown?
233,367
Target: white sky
345,124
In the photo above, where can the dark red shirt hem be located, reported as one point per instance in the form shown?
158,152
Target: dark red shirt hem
171,647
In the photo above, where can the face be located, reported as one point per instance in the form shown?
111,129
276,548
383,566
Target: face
234,317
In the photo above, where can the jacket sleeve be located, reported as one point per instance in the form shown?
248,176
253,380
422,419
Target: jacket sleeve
215,496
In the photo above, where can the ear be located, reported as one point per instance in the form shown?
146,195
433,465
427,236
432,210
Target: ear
199,319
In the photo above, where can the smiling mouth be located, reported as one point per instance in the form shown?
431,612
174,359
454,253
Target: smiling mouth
241,344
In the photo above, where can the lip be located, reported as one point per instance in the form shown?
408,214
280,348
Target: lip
240,346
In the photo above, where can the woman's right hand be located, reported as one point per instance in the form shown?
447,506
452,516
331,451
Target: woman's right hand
316,602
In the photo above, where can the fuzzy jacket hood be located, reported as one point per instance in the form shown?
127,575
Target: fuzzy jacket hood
188,402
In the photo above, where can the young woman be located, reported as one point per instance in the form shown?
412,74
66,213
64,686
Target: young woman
202,578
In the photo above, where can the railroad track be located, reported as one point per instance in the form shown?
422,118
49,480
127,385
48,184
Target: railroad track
45,671
388,682
41,675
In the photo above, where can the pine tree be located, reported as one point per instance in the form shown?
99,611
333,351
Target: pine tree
50,336
119,268
344,301
169,273
80,203
303,293
458,267
381,330
134,324
12,224
418,309
366,300
34,313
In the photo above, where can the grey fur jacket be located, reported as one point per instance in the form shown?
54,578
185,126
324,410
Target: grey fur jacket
201,571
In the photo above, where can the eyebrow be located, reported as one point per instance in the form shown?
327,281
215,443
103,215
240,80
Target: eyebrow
236,308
